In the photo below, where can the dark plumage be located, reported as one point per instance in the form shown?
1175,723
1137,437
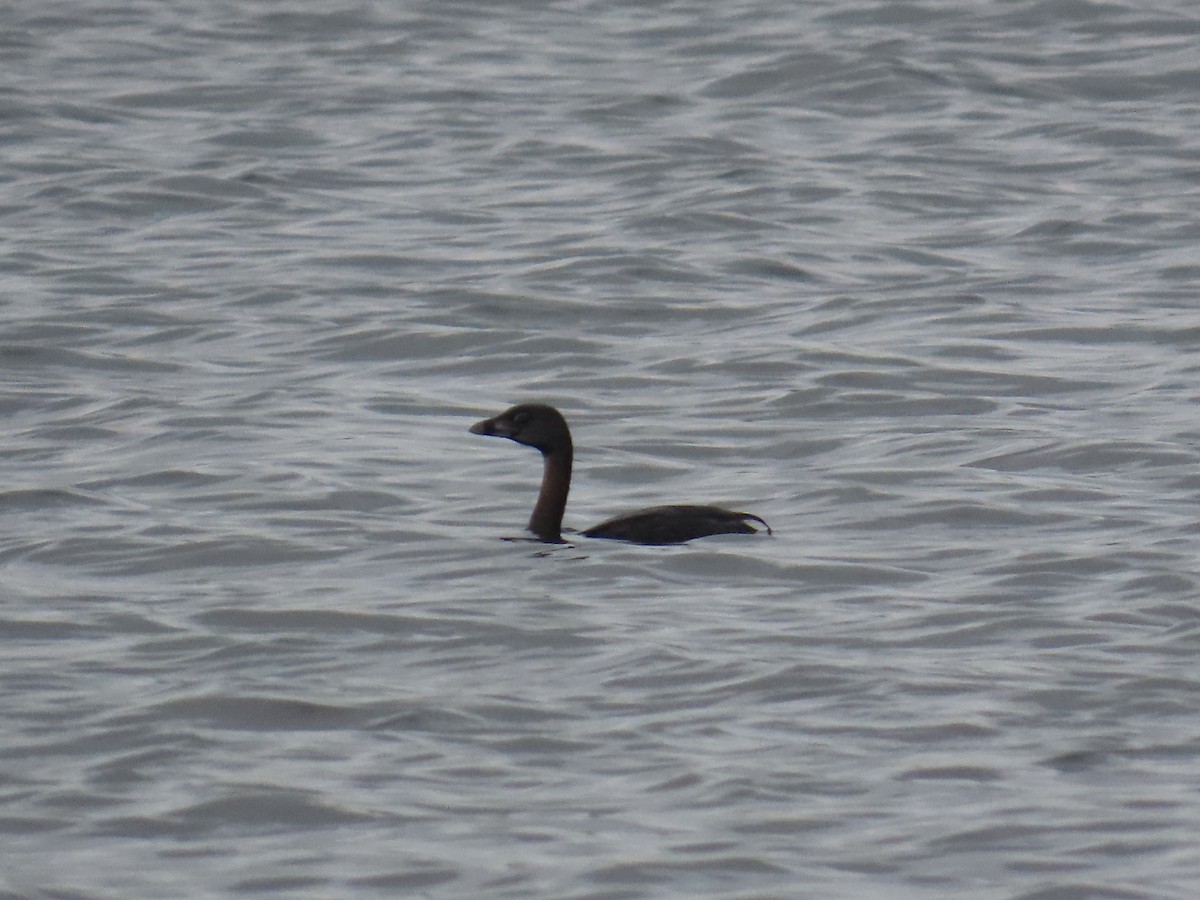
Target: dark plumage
543,427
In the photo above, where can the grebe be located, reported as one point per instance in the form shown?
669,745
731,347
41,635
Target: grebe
544,428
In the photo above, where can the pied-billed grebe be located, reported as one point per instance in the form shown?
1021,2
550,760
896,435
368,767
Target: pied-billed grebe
543,427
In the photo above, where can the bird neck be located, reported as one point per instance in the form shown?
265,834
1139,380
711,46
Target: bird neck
546,521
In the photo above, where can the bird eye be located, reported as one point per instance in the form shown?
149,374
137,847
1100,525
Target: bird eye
521,418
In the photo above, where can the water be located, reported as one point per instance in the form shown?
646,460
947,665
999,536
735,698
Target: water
915,282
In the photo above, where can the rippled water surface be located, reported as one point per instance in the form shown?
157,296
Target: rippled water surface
916,282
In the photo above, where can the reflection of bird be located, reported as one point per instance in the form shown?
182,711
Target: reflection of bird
544,428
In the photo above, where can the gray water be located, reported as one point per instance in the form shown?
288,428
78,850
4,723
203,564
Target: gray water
916,282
